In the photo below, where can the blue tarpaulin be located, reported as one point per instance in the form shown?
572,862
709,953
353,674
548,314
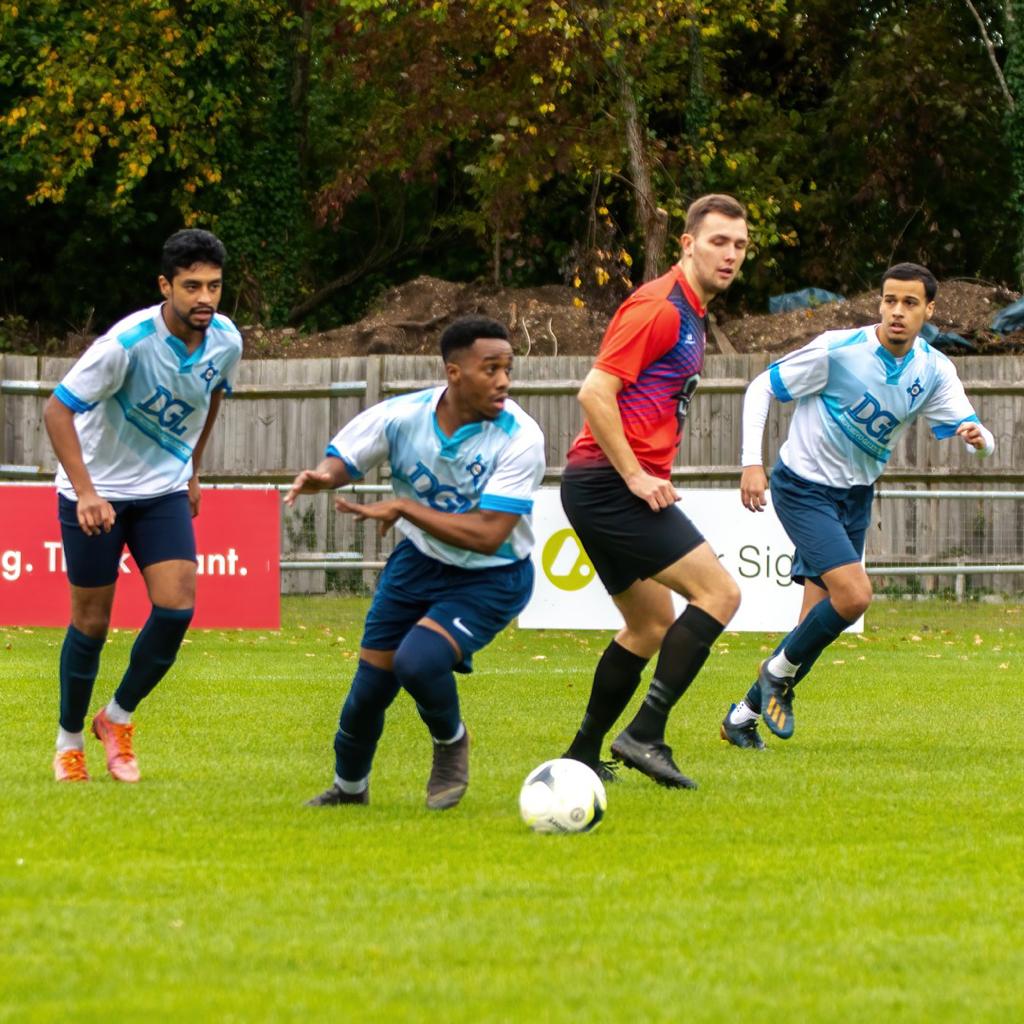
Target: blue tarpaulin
1010,319
806,298
946,341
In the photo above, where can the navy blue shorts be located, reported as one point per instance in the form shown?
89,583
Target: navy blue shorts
473,605
621,534
827,525
154,529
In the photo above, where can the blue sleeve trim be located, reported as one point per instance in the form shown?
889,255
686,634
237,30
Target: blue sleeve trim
779,389
225,387
497,503
945,430
353,472
71,400
136,334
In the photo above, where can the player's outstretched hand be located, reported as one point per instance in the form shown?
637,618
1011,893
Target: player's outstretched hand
753,484
656,492
95,514
972,435
387,513
309,481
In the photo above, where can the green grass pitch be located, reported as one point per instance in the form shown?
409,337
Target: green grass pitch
870,869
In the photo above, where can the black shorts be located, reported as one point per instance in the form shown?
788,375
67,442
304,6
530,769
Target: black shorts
154,529
622,536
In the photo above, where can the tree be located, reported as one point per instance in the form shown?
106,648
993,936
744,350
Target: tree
144,116
523,93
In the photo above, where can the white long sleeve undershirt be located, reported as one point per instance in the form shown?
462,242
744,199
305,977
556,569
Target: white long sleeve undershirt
756,403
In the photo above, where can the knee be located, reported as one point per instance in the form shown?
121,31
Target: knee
422,656
730,600
722,601
95,624
647,635
179,598
852,602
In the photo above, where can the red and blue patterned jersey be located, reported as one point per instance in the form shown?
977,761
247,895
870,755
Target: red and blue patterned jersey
655,346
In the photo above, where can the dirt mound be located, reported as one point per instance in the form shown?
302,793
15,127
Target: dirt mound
409,319
961,307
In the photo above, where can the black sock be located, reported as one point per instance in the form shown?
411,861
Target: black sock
684,650
79,663
153,654
615,681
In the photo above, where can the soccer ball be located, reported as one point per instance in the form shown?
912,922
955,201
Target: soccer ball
562,796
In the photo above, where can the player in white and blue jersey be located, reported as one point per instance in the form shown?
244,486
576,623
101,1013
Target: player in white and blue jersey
128,424
465,461
856,392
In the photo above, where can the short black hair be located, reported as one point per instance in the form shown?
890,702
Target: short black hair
186,248
911,272
463,332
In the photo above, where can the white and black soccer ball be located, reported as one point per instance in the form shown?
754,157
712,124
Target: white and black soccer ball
562,796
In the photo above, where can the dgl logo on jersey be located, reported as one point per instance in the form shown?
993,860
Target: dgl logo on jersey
565,562
443,497
168,411
876,421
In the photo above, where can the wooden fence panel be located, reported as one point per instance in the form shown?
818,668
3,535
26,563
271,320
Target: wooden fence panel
285,412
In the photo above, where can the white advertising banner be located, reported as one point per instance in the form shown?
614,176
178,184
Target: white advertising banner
753,548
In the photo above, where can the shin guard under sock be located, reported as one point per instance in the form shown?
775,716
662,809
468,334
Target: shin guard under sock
684,650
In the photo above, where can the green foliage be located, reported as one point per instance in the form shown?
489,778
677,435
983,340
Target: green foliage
520,94
339,148
153,114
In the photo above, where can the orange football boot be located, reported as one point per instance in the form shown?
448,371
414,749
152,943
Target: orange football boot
69,766
117,739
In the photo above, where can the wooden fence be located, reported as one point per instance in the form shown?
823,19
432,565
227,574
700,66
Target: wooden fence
284,412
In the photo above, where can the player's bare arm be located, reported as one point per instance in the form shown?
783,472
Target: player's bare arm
329,474
194,494
753,484
598,396
95,514
482,530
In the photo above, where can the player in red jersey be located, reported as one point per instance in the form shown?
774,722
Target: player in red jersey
618,495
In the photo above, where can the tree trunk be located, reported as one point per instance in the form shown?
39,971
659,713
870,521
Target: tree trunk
652,219
1014,72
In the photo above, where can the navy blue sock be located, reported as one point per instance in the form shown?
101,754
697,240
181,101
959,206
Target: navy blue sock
684,650
79,663
362,720
423,664
821,626
153,653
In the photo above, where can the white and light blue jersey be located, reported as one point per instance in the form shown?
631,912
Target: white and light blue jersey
854,399
141,401
490,465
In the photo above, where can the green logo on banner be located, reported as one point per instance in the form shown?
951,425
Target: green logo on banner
565,562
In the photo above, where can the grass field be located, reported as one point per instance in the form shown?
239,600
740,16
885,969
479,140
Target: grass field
870,869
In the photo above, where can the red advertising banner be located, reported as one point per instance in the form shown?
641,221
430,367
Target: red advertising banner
238,540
